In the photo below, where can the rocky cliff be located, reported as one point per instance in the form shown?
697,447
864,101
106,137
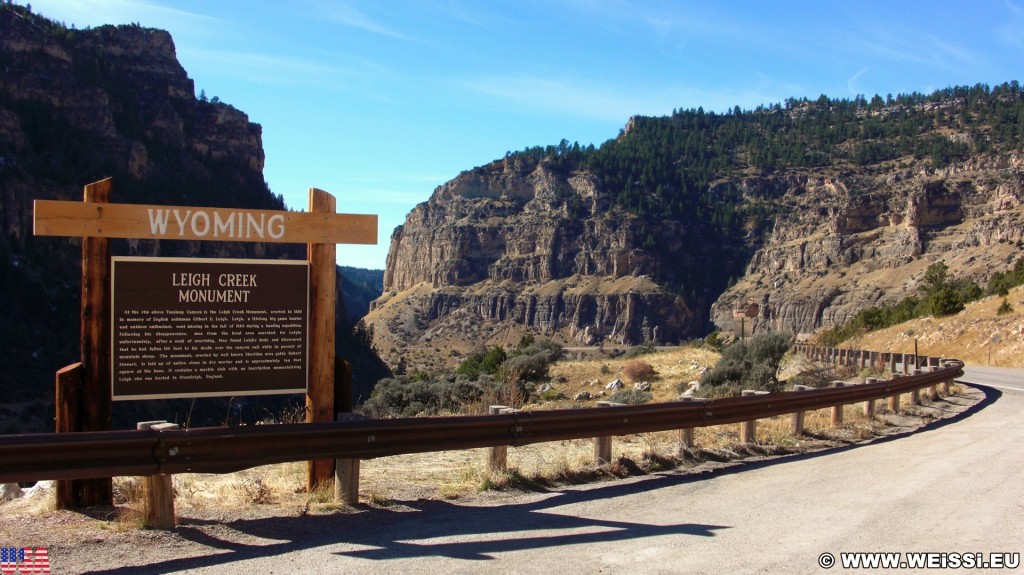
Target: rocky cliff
771,220
77,106
516,247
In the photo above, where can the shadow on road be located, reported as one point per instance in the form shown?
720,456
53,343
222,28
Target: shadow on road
431,528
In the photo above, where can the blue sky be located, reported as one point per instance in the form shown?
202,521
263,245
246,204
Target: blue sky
379,102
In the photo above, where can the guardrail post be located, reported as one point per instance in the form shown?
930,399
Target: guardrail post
837,410
894,400
915,394
948,382
497,456
748,429
798,416
686,434
158,490
933,391
892,363
603,445
907,366
869,405
346,472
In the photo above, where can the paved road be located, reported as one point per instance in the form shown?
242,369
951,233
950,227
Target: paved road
1002,378
957,486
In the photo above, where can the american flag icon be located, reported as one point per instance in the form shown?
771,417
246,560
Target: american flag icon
24,560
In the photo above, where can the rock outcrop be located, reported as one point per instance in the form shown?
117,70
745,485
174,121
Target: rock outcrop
517,247
850,243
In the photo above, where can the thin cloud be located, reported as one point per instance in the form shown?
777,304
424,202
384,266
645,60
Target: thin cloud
911,46
539,95
535,94
348,14
252,67
1013,32
851,83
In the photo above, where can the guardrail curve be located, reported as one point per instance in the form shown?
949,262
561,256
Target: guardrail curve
220,450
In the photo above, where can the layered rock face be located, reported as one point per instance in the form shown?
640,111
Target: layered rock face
849,243
517,245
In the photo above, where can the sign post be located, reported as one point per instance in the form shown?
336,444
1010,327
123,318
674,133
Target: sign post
323,303
95,401
85,393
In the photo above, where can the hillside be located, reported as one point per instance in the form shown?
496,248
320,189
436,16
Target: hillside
790,217
77,106
978,335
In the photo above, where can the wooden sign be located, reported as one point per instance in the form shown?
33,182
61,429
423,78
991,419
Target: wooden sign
191,327
87,219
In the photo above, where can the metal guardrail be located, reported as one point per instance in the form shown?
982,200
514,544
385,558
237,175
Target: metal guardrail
222,450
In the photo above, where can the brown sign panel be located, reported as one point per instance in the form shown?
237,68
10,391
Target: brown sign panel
208,327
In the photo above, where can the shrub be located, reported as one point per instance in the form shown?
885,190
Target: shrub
630,396
1004,308
637,351
552,395
637,370
405,397
753,364
531,363
482,361
715,341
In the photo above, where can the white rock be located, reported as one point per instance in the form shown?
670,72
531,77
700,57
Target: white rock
41,488
9,491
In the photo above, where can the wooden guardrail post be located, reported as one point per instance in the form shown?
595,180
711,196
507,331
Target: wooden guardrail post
497,456
869,405
748,429
933,390
947,383
907,364
603,445
346,470
837,410
798,416
158,490
915,394
894,400
892,363
686,434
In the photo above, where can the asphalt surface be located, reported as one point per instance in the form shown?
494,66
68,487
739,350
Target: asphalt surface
1002,378
955,486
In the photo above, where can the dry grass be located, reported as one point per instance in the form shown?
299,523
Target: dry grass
673,367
